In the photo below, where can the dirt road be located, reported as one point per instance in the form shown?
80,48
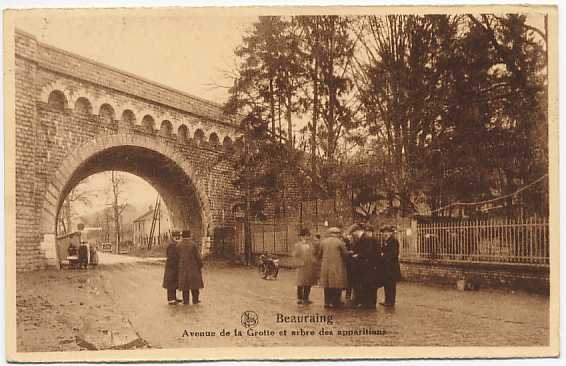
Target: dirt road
123,305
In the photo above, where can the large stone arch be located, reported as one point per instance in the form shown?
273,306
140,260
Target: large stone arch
75,167
67,139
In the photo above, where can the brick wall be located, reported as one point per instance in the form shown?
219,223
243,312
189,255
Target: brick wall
27,236
530,278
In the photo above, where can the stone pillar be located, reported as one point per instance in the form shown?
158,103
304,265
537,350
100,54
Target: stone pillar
206,245
48,249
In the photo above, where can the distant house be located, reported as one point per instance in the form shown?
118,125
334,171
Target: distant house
142,228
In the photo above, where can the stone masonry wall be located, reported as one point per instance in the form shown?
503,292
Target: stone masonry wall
530,278
28,255
46,135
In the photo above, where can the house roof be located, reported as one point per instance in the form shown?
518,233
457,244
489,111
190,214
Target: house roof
145,216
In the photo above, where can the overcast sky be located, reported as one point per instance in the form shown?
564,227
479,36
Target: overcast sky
188,52
99,186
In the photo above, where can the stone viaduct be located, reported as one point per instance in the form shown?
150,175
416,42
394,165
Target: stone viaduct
75,117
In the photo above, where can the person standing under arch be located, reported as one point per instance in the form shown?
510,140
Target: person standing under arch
83,255
190,268
171,274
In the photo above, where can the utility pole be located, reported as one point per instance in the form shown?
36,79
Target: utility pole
159,226
154,220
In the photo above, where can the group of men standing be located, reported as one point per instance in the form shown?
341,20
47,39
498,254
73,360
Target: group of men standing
356,260
183,268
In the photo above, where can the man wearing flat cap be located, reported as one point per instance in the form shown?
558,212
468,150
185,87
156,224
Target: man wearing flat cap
333,275
190,268
391,267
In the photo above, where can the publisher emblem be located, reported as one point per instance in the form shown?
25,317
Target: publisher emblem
249,319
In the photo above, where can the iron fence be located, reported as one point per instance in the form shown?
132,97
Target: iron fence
519,241
522,241
269,238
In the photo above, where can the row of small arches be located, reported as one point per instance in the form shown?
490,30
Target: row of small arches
57,100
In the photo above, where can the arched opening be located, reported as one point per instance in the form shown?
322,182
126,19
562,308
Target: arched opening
213,139
227,144
57,100
83,106
182,134
199,136
148,123
165,129
180,196
128,118
137,216
107,113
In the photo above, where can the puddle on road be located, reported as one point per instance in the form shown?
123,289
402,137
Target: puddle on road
104,339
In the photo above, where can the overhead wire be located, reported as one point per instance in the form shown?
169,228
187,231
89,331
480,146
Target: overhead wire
492,199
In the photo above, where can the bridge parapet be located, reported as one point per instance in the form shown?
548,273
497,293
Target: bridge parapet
66,63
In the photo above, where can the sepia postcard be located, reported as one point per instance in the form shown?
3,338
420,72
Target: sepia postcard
281,183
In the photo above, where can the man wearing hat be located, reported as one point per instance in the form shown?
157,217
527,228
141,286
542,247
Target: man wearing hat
367,254
333,275
351,237
171,274
83,255
391,267
307,270
190,268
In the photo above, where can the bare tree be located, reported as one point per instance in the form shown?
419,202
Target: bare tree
79,194
117,181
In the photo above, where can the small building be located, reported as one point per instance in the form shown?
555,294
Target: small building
142,228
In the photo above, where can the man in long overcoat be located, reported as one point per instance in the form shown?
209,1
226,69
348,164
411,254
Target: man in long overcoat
83,255
333,275
367,265
350,238
190,268
391,267
171,274
307,268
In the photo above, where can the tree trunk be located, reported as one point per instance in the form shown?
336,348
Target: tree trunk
331,97
116,211
314,120
247,224
288,111
272,105
314,117
68,223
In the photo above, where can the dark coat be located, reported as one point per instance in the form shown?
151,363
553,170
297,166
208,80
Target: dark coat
83,254
368,262
352,265
390,260
171,274
190,266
